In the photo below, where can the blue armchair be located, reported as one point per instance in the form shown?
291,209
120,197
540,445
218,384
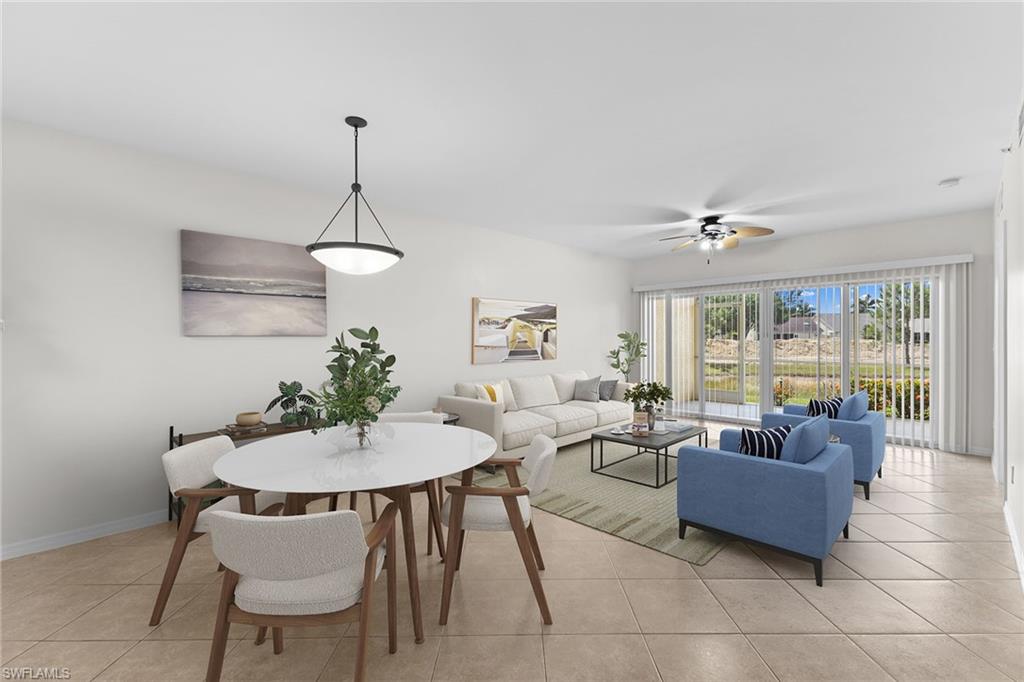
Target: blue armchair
797,508
866,436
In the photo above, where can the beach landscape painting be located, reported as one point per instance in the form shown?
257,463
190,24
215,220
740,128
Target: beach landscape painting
513,331
233,286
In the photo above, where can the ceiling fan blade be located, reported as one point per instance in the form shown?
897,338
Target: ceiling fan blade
752,231
678,236
730,242
683,245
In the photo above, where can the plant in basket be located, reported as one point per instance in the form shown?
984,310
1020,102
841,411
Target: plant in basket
646,396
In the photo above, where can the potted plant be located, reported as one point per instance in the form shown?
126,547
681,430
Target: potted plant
359,386
631,350
646,396
298,407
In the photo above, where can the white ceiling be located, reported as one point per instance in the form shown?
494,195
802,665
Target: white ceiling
581,124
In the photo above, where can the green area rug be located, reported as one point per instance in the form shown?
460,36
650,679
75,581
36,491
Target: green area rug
626,510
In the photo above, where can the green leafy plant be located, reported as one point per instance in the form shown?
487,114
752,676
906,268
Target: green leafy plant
298,407
647,395
359,386
631,350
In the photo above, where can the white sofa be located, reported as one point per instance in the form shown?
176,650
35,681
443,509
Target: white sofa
536,404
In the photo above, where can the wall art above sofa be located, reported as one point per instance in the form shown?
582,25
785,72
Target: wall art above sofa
513,331
233,286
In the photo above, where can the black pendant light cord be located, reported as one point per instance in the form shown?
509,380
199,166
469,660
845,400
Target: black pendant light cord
357,190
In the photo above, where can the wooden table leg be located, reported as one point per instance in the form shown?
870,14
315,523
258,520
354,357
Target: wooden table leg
403,498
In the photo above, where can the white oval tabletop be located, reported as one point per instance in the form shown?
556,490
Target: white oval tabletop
331,460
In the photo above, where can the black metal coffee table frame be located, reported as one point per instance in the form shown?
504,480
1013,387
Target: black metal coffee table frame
653,443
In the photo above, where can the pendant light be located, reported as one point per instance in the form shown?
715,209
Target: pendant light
355,257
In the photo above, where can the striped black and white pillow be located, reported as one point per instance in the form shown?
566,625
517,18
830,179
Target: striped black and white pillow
827,407
764,442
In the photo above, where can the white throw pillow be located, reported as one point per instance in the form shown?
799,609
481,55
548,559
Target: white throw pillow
565,384
534,391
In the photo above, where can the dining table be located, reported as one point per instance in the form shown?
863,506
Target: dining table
397,456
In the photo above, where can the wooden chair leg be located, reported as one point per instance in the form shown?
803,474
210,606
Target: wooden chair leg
220,631
455,538
462,544
391,565
369,576
353,498
261,635
188,522
278,640
333,504
434,521
373,507
535,546
516,520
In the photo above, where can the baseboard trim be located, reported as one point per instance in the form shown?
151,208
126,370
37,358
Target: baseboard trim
1016,541
71,537
980,452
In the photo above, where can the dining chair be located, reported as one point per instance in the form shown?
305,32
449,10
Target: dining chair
432,488
308,570
189,469
500,509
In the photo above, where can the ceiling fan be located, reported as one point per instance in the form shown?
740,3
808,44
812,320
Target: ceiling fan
714,234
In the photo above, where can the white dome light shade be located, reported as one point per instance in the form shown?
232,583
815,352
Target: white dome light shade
355,258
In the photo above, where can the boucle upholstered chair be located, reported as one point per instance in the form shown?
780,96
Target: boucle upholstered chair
189,468
500,509
432,488
308,570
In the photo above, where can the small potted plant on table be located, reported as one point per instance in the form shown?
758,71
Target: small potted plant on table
646,396
298,407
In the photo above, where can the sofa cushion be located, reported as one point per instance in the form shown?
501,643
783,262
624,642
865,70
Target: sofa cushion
588,390
468,389
534,391
854,407
568,418
565,384
806,440
606,390
491,392
829,408
519,428
764,442
608,411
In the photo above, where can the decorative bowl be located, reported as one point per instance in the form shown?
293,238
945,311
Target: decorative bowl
248,418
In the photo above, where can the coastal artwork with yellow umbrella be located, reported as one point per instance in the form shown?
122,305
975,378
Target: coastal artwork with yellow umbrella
513,331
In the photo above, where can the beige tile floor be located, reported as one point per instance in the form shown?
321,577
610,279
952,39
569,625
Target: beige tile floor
925,588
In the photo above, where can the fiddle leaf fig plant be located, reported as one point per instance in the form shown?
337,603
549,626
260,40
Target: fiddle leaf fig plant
631,350
299,408
360,383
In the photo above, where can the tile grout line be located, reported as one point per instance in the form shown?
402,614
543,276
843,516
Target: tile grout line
625,595
739,630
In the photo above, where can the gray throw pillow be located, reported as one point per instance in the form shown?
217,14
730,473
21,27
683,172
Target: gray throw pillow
607,388
587,389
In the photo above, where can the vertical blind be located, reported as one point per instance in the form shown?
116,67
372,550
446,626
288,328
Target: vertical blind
734,351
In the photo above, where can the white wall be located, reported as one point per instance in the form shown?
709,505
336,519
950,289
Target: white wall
939,236
96,368
1009,219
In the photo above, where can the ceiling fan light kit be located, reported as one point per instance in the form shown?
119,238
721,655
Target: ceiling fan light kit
715,235
355,257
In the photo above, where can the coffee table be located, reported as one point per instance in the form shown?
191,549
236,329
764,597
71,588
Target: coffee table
656,444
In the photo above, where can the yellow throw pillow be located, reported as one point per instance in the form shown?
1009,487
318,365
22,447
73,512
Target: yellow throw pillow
491,392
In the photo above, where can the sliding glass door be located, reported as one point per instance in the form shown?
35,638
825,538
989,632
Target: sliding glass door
731,354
